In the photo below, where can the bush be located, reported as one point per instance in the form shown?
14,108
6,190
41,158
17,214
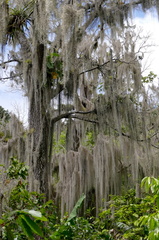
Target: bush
127,217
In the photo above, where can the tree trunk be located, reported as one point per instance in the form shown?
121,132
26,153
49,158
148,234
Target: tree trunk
1,199
39,119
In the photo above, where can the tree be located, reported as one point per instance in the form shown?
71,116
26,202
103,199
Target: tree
78,61
4,114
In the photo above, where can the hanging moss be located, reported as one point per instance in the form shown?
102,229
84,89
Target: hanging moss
69,52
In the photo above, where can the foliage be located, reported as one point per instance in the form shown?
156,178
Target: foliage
19,19
73,214
4,114
54,67
65,41
149,78
74,227
123,211
19,222
126,217
151,219
17,169
22,222
89,139
60,144
30,216
80,33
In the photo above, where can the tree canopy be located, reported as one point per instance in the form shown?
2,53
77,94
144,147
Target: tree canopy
92,128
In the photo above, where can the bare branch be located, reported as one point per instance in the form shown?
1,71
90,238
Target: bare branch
154,146
85,119
14,76
115,60
153,135
9,61
89,70
138,140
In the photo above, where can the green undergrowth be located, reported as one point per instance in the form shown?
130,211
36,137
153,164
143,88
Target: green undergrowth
27,215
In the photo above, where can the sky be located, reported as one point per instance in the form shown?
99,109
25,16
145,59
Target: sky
14,100
148,25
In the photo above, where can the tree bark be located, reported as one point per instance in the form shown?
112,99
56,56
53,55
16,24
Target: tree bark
1,204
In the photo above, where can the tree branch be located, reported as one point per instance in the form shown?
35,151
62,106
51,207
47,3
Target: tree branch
58,89
89,70
154,146
115,60
85,119
9,61
17,75
68,114
138,140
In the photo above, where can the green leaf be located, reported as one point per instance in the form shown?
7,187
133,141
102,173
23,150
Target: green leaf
1,221
135,215
157,201
73,214
25,227
152,223
9,233
145,183
36,214
123,226
33,225
153,236
49,65
54,54
141,221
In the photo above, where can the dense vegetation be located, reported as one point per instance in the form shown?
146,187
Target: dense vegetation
28,216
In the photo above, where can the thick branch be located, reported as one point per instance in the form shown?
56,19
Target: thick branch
68,114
